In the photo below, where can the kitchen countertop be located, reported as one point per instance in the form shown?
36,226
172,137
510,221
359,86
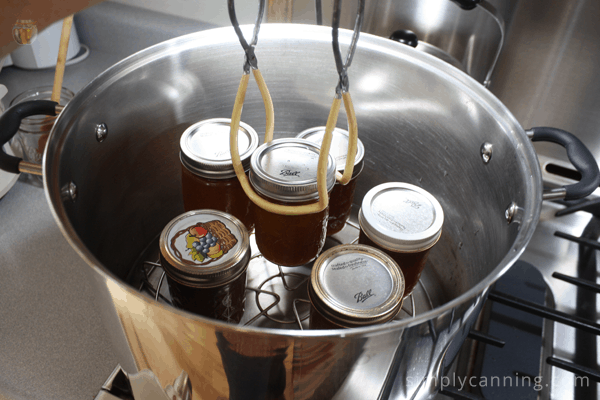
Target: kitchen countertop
53,341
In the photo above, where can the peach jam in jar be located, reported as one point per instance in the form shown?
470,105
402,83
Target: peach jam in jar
205,254
354,285
340,201
404,221
208,180
284,171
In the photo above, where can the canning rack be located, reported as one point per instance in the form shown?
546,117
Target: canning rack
271,290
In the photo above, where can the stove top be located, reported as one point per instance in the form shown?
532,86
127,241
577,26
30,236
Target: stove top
543,313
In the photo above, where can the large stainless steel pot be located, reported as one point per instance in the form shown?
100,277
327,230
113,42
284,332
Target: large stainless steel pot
112,177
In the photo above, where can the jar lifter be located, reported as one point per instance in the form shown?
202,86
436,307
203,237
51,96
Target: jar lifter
341,93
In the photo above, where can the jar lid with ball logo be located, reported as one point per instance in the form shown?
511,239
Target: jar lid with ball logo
204,248
355,285
286,170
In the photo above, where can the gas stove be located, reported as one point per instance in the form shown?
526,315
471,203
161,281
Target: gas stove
541,316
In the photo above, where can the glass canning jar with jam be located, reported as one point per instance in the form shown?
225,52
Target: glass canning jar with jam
340,201
208,179
205,254
354,285
404,221
284,171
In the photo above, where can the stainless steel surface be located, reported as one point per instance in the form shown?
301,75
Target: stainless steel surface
471,37
439,53
510,212
177,83
495,14
548,73
143,386
69,191
486,152
554,194
101,132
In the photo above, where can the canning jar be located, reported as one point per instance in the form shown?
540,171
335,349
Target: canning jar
208,180
205,254
30,141
342,196
354,285
404,221
284,171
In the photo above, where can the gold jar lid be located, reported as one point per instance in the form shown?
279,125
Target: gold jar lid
204,248
356,285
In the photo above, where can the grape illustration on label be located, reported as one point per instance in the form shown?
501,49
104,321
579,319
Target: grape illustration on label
205,242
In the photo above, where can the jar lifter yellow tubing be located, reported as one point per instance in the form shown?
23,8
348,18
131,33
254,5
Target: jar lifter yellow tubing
323,157
352,140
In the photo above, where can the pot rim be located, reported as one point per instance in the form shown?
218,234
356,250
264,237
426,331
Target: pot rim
531,210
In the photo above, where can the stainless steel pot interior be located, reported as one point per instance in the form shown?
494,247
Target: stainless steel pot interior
470,38
421,121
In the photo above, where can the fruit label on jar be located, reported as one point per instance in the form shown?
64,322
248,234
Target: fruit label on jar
202,243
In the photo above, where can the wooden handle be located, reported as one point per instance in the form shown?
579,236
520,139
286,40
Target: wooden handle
62,58
237,163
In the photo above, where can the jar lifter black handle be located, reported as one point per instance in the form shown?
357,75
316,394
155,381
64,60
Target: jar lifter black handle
579,155
9,126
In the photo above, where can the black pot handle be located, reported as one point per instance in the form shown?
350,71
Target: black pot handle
405,36
467,4
9,126
579,155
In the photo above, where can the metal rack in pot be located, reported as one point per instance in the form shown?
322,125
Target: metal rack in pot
276,296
